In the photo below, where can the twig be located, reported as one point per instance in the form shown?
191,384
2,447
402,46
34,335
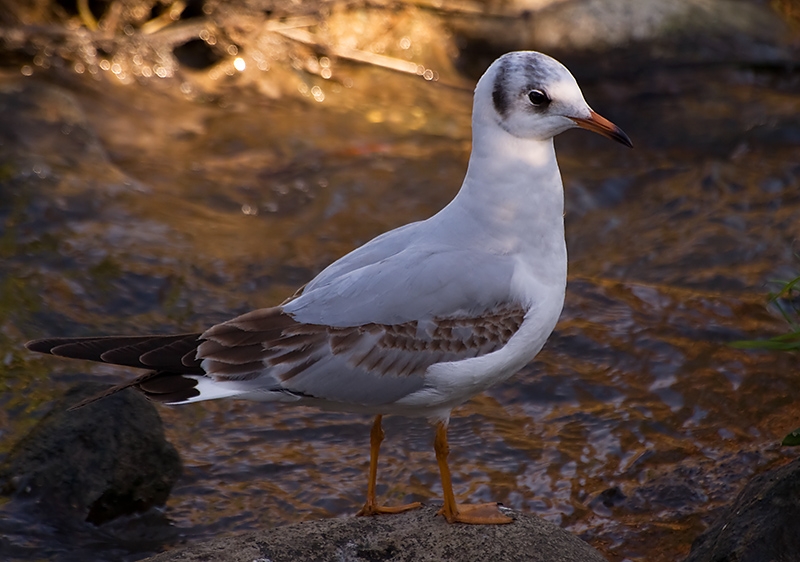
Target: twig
352,54
170,15
110,20
87,17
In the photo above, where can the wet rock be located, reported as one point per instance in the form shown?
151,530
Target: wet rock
762,524
418,535
553,25
97,463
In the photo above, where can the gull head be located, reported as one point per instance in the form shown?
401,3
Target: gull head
532,96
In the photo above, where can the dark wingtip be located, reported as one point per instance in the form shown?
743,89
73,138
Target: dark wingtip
169,387
40,346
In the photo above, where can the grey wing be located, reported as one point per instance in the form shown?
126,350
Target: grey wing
371,324
363,332
416,283
369,364
379,248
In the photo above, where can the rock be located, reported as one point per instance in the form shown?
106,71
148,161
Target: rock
762,524
107,459
417,535
557,26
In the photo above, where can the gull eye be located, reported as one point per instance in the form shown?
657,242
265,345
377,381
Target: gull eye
538,97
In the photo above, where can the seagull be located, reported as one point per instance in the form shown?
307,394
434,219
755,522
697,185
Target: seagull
418,320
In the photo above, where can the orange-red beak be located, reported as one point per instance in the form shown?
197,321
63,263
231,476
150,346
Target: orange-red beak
599,124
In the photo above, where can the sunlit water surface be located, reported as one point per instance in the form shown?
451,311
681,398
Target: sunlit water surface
127,211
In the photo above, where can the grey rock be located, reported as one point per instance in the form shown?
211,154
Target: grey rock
761,525
418,535
104,460
685,30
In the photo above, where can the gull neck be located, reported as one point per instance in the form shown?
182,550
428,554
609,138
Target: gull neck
513,184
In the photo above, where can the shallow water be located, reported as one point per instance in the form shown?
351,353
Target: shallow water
131,210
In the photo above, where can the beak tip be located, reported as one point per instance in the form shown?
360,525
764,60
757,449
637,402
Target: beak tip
599,124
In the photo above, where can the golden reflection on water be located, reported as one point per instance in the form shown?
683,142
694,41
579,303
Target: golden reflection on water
634,423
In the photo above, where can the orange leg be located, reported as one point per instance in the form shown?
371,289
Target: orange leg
372,507
478,514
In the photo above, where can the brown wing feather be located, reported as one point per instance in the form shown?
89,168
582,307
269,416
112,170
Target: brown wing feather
240,348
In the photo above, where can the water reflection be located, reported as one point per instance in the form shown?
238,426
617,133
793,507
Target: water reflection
139,211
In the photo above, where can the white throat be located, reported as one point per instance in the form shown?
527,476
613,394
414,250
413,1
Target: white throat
513,187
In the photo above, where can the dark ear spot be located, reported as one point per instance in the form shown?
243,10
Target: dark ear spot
500,92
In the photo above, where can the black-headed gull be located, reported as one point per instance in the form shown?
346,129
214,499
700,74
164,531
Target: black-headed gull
423,317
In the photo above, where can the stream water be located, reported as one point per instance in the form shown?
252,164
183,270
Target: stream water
129,210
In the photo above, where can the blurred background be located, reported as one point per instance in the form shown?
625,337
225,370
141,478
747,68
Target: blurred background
167,165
